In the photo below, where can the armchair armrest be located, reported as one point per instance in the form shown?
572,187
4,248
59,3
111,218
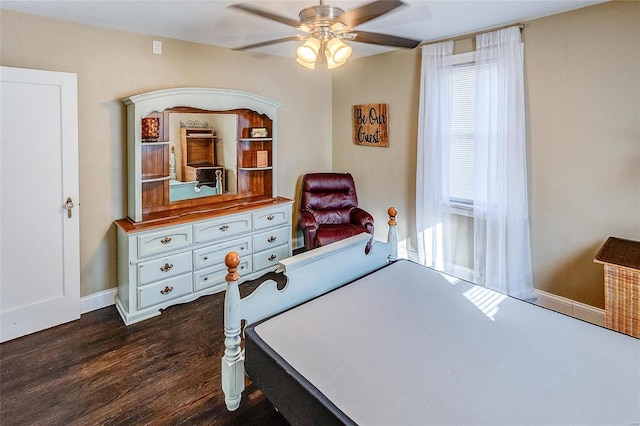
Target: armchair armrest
362,218
309,226
307,221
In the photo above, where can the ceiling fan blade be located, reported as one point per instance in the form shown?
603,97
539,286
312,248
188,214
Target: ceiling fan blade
267,43
384,39
368,12
268,15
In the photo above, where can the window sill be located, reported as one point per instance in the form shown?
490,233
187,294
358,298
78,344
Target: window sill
461,209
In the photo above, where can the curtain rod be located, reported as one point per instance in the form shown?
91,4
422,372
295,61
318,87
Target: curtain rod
470,35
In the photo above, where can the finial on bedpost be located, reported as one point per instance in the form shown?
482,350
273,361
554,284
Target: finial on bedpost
392,238
232,260
233,359
392,215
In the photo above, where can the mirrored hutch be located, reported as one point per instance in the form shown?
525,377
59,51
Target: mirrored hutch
202,182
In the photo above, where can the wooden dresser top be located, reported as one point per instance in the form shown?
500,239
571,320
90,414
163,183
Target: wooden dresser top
178,217
620,252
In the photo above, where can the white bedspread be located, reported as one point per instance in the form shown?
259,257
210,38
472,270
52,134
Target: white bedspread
405,346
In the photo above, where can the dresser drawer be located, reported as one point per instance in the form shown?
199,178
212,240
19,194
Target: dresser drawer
164,290
222,228
271,238
163,241
163,268
270,218
269,258
214,275
215,254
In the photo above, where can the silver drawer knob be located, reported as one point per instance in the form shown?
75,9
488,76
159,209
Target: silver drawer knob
166,290
272,257
271,239
224,228
270,217
165,240
167,267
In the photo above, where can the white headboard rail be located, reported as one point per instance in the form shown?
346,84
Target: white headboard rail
309,274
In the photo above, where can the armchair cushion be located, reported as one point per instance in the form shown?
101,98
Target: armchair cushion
329,209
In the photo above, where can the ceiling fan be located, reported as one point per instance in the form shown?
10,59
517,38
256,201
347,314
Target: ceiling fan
326,27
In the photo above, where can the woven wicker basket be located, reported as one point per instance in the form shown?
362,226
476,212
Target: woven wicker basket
621,260
622,299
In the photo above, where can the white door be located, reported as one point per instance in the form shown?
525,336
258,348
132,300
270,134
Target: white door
39,243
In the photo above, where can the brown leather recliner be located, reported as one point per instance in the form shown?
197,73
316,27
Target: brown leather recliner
329,209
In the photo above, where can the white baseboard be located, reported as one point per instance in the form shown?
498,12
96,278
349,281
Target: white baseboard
570,307
458,271
463,273
548,300
403,253
98,300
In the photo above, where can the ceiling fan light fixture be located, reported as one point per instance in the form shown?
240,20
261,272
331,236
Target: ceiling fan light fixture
331,64
338,51
308,52
328,27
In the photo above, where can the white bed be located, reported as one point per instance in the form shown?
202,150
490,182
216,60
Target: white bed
408,345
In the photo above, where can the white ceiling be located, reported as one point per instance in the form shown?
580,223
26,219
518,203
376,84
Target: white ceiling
212,22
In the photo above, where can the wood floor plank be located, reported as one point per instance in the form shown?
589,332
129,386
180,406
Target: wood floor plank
97,371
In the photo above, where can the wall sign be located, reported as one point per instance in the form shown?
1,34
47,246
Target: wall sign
371,125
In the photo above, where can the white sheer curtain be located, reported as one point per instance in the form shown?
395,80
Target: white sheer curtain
502,258
432,180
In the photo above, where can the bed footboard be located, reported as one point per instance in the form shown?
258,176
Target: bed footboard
309,275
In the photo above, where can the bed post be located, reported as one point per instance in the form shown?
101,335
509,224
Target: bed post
392,238
233,359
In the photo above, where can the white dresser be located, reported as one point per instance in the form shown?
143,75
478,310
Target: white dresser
176,261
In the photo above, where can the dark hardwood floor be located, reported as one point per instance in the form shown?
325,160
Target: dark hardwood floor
97,371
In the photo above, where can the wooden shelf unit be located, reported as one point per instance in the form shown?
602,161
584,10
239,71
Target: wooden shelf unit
198,151
155,164
199,156
148,184
247,149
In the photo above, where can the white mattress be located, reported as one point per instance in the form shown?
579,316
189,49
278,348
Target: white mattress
405,346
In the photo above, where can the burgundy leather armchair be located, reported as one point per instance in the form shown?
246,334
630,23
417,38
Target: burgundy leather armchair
329,209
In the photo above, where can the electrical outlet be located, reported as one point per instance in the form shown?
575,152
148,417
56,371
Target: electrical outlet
157,47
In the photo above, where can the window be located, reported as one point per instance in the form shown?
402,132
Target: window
462,136
472,160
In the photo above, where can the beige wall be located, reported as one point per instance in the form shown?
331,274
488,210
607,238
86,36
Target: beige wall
384,176
583,108
112,65
583,87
